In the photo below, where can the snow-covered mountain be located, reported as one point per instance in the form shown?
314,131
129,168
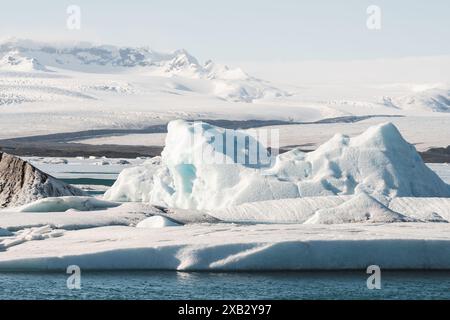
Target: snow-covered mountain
14,61
437,100
223,82
433,99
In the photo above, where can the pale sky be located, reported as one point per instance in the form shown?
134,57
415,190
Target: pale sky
243,30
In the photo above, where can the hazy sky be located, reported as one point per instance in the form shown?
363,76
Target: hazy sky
243,30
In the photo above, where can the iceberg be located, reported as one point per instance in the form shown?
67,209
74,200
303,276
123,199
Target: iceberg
22,183
201,168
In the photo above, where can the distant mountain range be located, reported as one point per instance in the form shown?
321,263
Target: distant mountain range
227,83
52,88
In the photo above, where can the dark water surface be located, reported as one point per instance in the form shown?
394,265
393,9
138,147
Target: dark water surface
196,285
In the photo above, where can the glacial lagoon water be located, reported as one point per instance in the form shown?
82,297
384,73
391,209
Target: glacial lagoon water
242,285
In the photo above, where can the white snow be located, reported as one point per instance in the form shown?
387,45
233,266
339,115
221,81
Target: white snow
338,209
197,172
296,210
360,208
15,61
435,99
157,222
431,209
226,83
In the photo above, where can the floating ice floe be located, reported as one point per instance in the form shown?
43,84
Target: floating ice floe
61,204
122,162
101,163
127,214
55,161
30,234
231,247
379,163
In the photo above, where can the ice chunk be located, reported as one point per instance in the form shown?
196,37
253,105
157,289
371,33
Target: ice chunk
31,234
157,222
136,183
55,161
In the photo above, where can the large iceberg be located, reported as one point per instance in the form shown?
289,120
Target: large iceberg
204,167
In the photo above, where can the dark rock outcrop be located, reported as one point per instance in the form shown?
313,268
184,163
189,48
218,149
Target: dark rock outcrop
21,183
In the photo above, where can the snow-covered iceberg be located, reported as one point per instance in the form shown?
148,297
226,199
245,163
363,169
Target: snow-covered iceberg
201,167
